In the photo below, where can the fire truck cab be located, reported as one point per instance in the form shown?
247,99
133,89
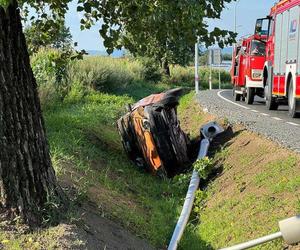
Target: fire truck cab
247,68
281,75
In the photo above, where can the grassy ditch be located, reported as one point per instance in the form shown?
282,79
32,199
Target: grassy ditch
258,185
88,155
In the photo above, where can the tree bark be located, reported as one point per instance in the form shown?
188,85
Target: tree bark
27,178
166,67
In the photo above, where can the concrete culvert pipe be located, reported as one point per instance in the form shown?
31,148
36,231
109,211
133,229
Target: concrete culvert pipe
290,230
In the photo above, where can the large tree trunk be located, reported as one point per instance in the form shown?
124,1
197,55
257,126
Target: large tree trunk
27,178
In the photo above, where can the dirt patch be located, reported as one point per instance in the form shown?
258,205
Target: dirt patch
102,233
249,155
89,227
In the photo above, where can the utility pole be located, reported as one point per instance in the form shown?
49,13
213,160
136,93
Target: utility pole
197,66
235,23
211,54
219,76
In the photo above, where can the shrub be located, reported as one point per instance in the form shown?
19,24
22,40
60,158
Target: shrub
104,73
50,67
151,70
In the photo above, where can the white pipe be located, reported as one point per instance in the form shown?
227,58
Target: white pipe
189,200
256,242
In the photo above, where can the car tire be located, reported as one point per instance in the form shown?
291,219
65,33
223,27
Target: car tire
292,101
250,96
271,103
237,97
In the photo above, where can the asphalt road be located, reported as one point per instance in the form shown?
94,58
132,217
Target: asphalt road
259,107
275,125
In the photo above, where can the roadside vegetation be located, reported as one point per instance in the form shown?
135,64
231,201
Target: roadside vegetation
85,147
82,99
253,192
87,154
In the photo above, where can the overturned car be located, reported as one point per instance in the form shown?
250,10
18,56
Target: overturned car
151,134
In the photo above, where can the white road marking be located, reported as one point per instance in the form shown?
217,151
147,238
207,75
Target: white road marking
277,118
253,110
239,105
294,124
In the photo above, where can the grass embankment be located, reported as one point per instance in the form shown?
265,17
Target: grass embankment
258,187
86,150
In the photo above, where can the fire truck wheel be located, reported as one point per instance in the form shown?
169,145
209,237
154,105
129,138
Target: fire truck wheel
250,95
237,97
271,103
293,102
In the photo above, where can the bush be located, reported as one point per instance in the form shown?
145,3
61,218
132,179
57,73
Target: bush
50,67
182,75
151,70
104,73
71,81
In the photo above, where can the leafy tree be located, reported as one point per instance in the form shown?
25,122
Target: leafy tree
57,36
162,28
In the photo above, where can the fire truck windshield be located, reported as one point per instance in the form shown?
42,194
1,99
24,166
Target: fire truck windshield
258,48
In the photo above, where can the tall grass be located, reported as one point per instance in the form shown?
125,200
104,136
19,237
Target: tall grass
60,78
105,73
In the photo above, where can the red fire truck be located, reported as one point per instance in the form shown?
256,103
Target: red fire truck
281,75
247,68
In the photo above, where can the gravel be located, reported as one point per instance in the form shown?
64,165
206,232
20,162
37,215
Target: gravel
279,131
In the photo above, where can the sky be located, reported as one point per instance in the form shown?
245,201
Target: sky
247,13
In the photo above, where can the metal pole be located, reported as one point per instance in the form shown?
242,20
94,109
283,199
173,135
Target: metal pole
256,242
235,23
210,74
197,66
219,76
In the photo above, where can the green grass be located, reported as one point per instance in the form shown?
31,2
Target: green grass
86,150
148,206
278,179
240,206
83,139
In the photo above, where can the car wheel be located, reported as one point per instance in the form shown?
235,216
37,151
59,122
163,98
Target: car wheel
250,96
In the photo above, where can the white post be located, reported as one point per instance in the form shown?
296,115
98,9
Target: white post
210,70
235,23
197,66
219,76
